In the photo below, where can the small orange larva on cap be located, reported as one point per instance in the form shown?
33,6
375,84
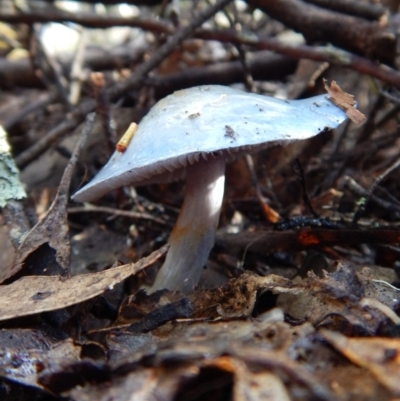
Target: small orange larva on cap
123,143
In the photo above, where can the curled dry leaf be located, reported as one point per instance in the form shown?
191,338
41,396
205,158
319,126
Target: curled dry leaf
345,101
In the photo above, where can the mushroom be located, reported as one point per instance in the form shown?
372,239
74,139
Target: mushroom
193,132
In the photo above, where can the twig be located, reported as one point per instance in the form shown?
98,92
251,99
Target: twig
42,144
103,110
48,68
20,72
320,25
270,214
247,77
116,212
42,102
374,303
390,97
361,209
147,3
76,69
357,8
87,20
11,42
166,49
263,65
386,283
267,242
358,190
298,168
329,54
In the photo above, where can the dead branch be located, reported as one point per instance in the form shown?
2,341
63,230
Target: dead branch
266,242
263,65
368,11
20,72
327,53
111,2
320,25
87,20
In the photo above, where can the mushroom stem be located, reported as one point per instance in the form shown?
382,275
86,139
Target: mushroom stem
193,235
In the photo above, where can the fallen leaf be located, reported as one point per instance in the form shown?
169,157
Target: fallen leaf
248,385
345,101
381,356
338,299
237,298
53,228
35,294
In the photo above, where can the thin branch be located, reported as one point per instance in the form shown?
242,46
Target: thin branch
116,212
358,190
47,68
357,8
355,34
77,69
115,2
32,107
86,20
298,168
20,72
366,199
329,54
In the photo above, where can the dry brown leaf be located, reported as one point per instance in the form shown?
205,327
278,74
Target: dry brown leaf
248,385
340,295
53,228
345,101
379,355
238,297
35,294
140,385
